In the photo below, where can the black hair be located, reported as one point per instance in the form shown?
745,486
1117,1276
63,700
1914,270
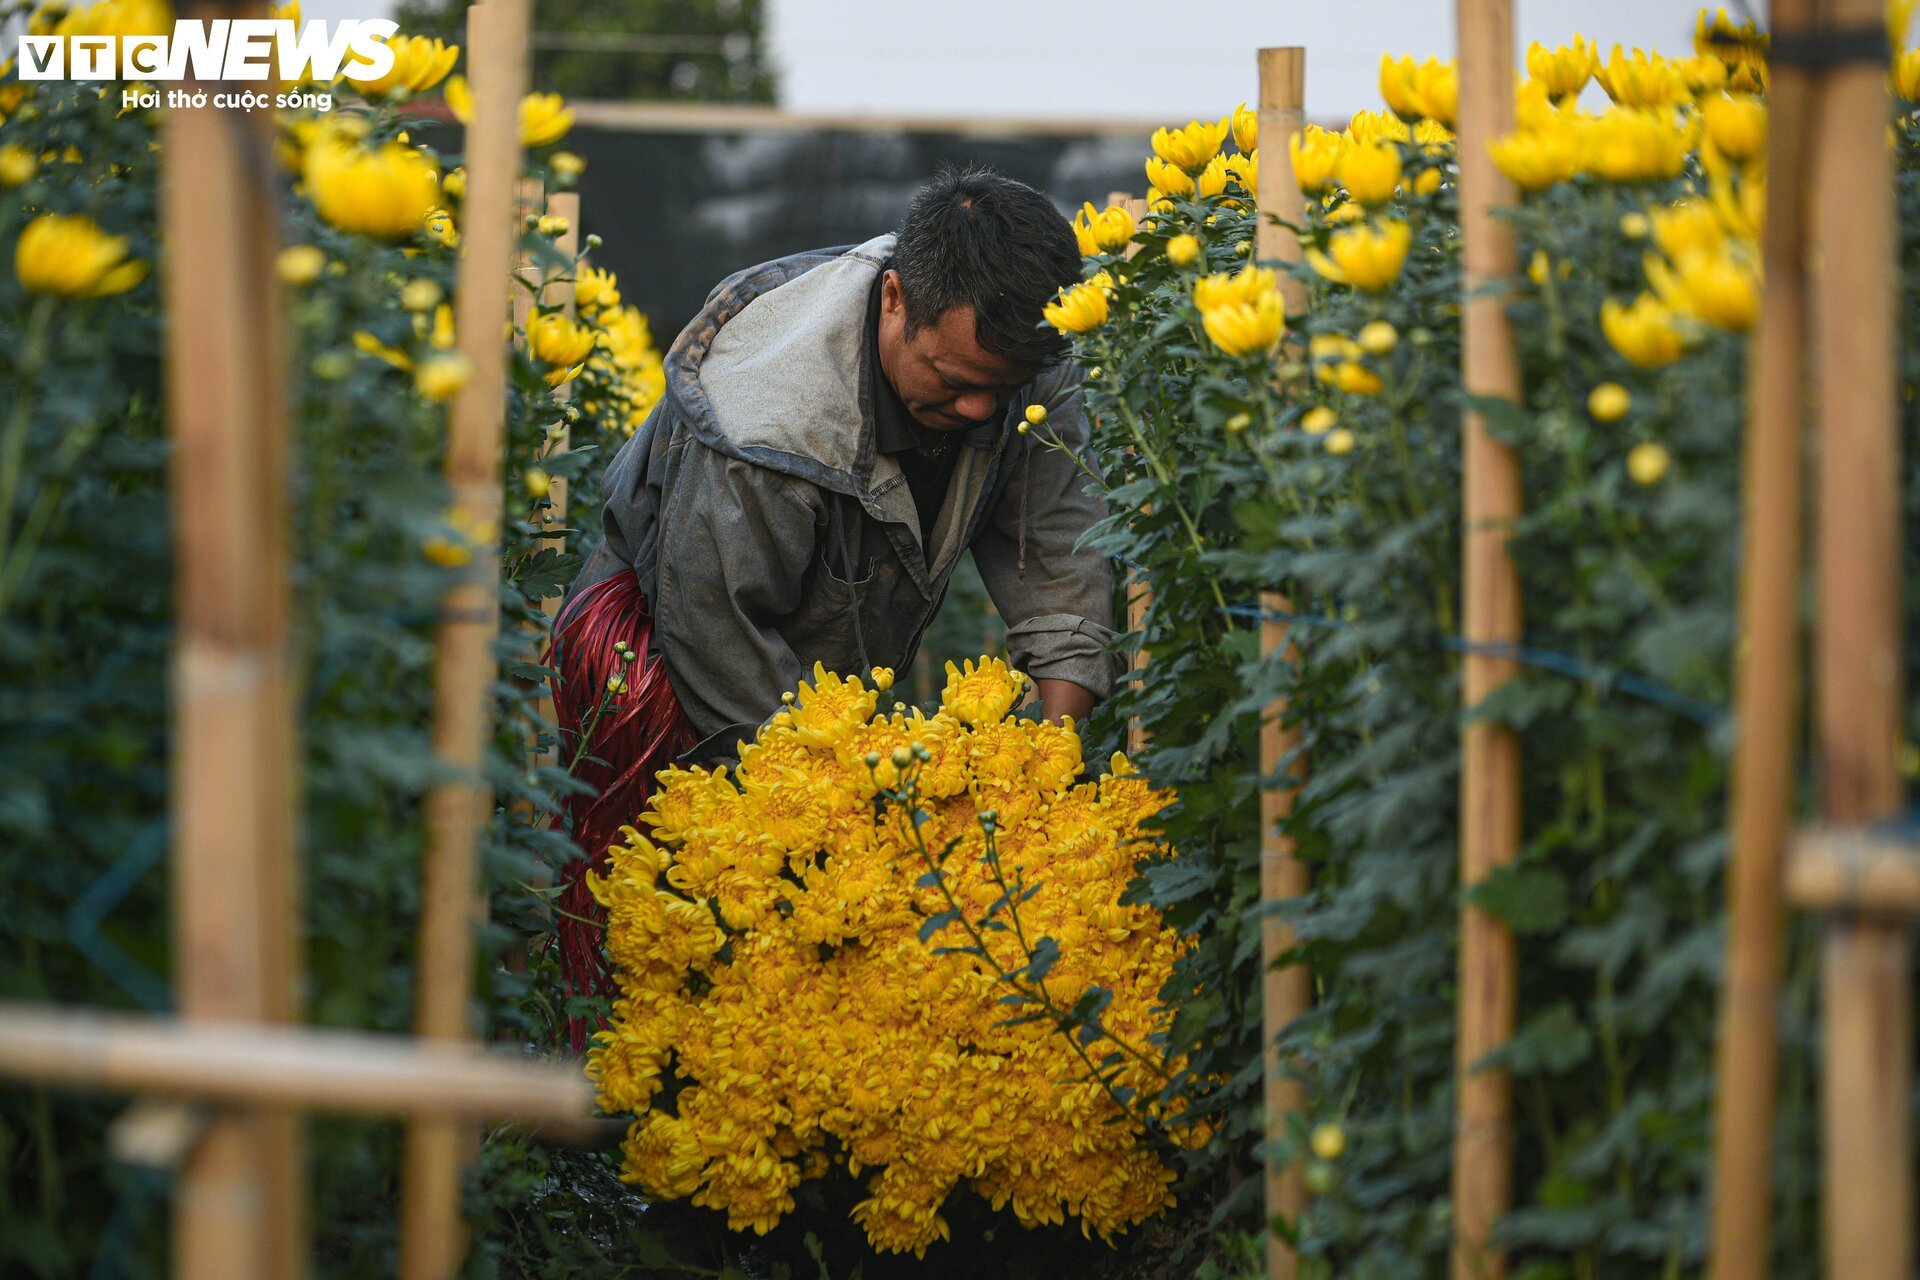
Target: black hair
974,237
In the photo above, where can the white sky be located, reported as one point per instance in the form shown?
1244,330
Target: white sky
1143,59
1135,60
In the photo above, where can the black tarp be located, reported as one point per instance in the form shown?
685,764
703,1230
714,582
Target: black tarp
677,211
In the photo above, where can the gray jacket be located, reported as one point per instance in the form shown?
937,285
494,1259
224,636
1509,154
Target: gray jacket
768,534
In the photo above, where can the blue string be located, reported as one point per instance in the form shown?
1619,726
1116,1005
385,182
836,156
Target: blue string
1630,683
118,1246
84,918
120,1238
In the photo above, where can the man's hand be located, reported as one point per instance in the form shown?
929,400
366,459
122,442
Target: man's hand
1060,698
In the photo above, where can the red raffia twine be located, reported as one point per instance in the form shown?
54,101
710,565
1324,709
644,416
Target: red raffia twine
641,732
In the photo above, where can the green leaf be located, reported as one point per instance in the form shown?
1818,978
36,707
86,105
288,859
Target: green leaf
1529,898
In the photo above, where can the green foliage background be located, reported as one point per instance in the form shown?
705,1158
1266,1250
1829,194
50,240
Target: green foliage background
619,50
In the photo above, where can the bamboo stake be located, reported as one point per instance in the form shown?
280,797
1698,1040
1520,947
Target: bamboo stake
350,1072
555,293
1867,984
1765,697
240,1209
560,293
1490,754
1286,992
432,1238
1139,588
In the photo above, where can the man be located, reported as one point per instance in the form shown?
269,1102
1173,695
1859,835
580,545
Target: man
837,428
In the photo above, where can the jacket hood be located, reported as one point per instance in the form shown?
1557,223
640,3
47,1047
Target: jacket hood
770,370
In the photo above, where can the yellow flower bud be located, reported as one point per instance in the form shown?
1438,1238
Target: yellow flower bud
1370,172
1609,402
1339,441
537,482
1648,462
440,377
1378,338
1183,250
1318,420
1328,1141
1036,414
17,165
420,295
300,264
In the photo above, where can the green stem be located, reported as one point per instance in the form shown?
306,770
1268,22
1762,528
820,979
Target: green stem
13,445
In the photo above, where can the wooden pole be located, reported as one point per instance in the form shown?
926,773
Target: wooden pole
1765,697
560,293
1490,754
350,1072
1867,1011
1139,588
1286,992
240,1207
432,1238
555,293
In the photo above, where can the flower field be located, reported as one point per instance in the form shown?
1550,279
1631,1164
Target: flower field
922,982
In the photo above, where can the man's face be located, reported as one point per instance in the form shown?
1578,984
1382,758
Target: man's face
941,373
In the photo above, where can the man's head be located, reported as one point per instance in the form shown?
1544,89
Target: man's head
977,259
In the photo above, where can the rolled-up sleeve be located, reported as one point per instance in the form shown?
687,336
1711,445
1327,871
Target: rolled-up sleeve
731,565
1059,610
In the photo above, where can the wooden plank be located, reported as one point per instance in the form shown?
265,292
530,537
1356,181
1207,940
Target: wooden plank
1490,754
240,1210
1286,992
1867,1013
347,1072
432,1236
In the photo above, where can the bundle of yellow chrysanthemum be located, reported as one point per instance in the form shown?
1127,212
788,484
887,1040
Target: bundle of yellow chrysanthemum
766,931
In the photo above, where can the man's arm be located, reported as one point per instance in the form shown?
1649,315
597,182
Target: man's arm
735,542
1059,611
1062,698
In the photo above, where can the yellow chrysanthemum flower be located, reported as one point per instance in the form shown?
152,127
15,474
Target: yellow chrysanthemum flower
1246,329
1646,81
1364,256
1107,230
1718,286
544,117
1563,71
1737,127
1079,309
1246,128
1370,171
1645,332
1428,90
1190,148
385,193
1537,159
70,256
560,342
1315,153
1635,146
1234,289
419,63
